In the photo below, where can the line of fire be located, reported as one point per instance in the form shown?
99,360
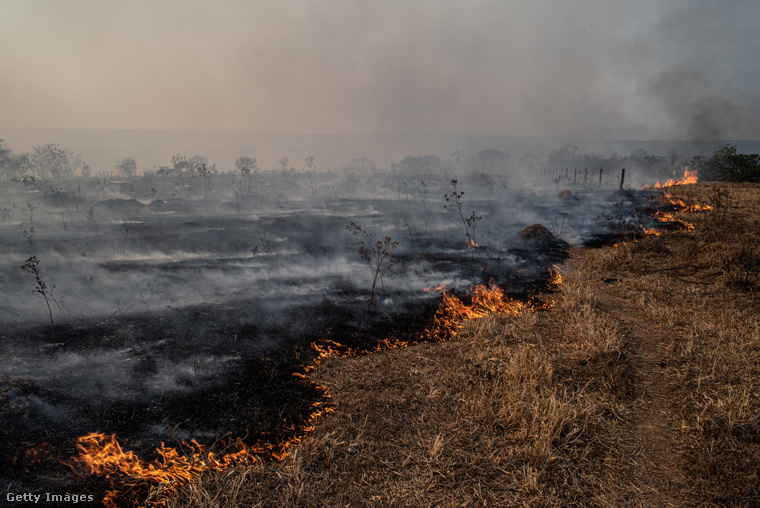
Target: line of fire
224,379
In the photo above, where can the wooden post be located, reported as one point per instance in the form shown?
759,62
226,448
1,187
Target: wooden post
585,178
622,178
600,176
575,177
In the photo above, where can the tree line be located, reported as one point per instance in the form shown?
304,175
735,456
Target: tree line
51,161
45,161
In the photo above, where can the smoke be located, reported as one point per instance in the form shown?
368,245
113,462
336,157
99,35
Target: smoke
698,72
698,112
587,69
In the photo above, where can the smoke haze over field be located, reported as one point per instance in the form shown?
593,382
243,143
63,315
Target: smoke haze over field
679,69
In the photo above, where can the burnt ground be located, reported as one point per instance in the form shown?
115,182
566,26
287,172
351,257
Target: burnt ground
257,398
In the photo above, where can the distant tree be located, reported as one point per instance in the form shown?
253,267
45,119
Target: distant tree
5,154
726,164
568,155
647,160
196,162
310,166
128,166
52,161
12,165
206,173
698,163
458,156
179,163
284,163
246,165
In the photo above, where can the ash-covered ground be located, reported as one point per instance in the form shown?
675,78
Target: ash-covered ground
166,308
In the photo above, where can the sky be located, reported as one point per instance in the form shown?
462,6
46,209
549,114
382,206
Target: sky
587,69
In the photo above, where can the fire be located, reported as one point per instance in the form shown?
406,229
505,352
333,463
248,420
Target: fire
453,312
689,176
433,287
650,232
131,477
102,455
555,277
698,207
680,206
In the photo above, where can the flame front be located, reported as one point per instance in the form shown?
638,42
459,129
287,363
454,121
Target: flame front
689,176
102,455
453,312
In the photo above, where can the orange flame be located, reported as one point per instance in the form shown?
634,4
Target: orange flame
555,277
131,476
688,177
453,312
102,455
680,206
651,231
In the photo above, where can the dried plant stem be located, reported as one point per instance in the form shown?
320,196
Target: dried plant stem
32,266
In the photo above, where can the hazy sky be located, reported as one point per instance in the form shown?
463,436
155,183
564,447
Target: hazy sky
643,69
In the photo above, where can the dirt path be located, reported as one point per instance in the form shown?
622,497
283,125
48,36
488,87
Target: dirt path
651,474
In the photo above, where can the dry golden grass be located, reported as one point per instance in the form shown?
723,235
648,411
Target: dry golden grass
654,342
517,411
700,290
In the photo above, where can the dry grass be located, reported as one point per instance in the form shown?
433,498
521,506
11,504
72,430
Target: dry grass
540,409
701,290
517,411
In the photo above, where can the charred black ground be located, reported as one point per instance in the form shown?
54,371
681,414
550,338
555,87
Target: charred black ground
234,358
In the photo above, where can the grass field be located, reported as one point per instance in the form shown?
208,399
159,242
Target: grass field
639,386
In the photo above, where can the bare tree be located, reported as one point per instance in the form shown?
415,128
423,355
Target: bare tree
52,161
247,165
206,173
128,166
11,165
310,163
